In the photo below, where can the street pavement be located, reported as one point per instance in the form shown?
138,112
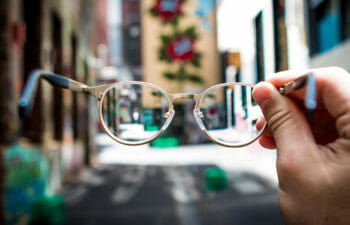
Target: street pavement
168,186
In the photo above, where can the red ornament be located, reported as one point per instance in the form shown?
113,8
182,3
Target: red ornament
168,9
181,48
212,111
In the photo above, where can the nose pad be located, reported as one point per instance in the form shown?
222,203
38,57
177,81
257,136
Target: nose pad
198,117
169,117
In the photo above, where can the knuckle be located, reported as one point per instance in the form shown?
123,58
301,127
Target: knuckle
286,166
279,119
338,70
343,124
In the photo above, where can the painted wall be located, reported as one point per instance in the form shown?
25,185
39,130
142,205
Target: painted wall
196,13
41,169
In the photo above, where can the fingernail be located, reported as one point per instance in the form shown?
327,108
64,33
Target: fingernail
262,94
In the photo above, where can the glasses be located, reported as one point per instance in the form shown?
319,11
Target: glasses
136,113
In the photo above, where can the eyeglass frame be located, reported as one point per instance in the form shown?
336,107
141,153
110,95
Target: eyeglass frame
26,101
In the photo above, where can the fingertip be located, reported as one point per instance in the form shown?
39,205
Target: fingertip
268,132
262,92
267,142
260,123
280,78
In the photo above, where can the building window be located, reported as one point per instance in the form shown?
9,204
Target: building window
57,62
345,19
259,45
132,33
329,24
280,35
33,127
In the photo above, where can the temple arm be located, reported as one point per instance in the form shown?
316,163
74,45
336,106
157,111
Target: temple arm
26,101
310,94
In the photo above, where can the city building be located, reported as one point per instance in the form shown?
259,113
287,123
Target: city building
46,149
276,35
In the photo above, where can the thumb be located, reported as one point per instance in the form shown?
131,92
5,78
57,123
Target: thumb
287,123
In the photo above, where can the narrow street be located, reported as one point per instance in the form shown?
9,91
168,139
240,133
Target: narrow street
118,111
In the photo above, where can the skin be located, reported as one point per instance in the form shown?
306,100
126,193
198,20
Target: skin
313,157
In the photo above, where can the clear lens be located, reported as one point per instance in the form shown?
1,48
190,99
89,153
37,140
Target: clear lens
134,112
229,114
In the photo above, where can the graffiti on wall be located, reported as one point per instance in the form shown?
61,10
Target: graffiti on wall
179,45
27,172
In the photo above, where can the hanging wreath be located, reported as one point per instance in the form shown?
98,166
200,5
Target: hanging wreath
167,10
179,47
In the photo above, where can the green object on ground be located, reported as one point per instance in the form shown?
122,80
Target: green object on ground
215,179
151,128
48,210
165,142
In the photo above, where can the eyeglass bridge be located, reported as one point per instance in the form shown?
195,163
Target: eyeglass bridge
182,96
200,114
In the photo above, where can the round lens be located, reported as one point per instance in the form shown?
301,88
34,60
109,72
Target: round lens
229,114
134,112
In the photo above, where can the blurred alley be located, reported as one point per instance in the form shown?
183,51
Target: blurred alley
76,159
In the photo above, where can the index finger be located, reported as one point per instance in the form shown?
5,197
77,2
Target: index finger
282,78
331,86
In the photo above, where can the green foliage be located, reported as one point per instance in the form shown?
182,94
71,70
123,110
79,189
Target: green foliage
153,12
156,93
175,22
191,32
163,56
182,76
210,96
196,60
195,79
165,39
169,76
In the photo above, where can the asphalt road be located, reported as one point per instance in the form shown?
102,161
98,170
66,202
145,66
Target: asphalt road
169,195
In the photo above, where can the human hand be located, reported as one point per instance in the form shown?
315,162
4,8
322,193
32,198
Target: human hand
313,159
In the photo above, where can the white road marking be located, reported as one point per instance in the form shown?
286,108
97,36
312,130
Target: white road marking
185,193
131,181
73,196
88,176
248,187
